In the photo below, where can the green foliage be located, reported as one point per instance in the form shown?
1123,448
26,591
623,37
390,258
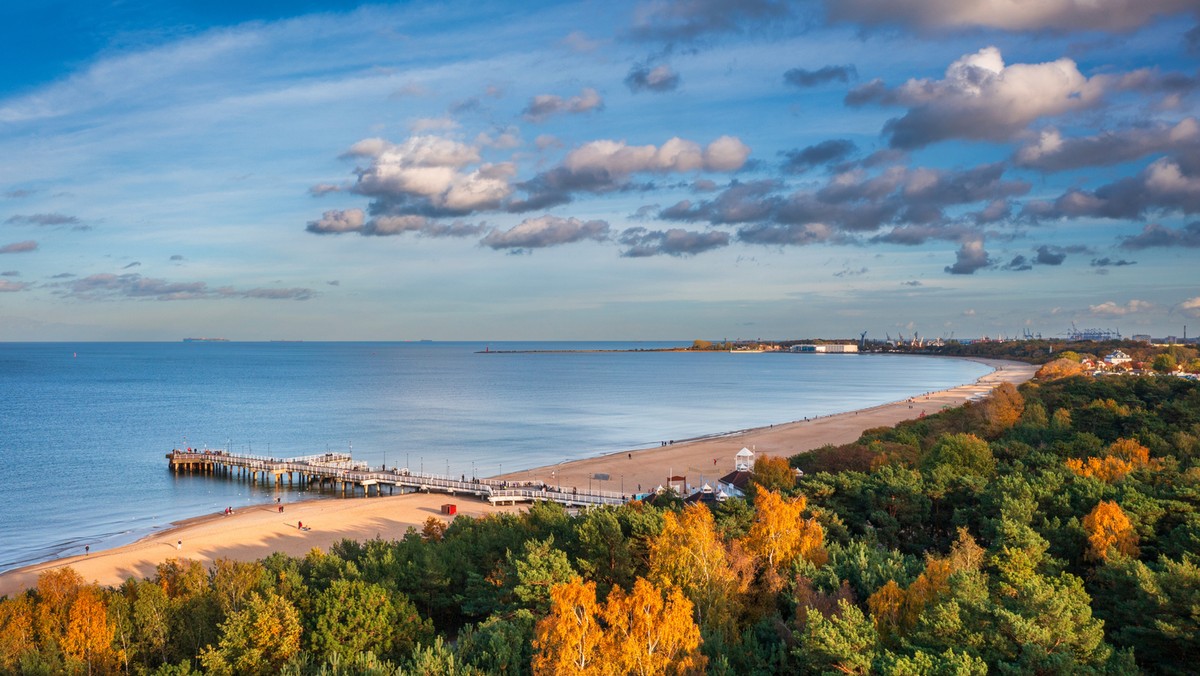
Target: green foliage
540,567
500,644
259,638
844,643
962,453
353,616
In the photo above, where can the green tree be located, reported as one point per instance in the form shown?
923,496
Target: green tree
1164,363
965,453
540,567
353,616
844,643
258,639
500,644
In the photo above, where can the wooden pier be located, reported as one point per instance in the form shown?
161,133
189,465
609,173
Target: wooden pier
339,472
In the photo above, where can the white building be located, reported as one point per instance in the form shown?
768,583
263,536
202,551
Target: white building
1117,357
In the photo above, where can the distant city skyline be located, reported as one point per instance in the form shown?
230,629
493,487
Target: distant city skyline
657,170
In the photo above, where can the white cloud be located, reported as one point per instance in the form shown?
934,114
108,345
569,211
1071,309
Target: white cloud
338,221
544,231
543,106
982,98
1191,306
1014,15
615,157
1111,309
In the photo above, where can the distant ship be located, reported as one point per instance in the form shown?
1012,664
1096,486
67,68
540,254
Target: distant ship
206,340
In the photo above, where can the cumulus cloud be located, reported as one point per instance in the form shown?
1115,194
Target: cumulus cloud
970,257
1051,152
544,231
686,20
1111,262
1110,15
1191,306
1048,255
913,202
578,41
1167,184
19,247
642,243
1017,264
543,106
428,175
42,219
981,98
657,79
7,286
337,221
107,286
606,165
798,234
1154,235
825,152
1112,309
801,77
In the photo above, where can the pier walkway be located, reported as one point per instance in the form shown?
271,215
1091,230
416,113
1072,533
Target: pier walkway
340,472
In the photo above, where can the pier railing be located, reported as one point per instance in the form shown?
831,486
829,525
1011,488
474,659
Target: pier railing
340,470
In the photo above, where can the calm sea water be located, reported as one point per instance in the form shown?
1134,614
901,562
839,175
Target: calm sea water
84,427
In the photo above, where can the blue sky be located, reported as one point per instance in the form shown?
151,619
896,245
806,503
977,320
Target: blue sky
670,169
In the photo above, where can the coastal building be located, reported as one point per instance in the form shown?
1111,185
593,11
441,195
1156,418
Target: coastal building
1117,357
744,460
734,484
825,348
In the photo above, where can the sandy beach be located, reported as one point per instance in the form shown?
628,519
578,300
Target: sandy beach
256,532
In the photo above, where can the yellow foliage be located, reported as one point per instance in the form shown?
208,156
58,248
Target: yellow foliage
1130,450
1107,470
88,639
780,532
1059,368
1121,457
887,609
929,586
648,634
567,640
690,555
1003,408
16,631
1109,529
773,473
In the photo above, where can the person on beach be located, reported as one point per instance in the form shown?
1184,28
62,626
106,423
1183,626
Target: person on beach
299,525
87,550
179,545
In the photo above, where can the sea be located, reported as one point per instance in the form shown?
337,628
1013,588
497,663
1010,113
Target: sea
85,427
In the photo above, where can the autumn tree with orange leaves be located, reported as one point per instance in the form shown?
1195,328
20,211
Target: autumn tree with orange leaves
1108,530
1121,458
780,533
649,634
690,554
568,639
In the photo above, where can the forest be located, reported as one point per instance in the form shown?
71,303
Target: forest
1051,529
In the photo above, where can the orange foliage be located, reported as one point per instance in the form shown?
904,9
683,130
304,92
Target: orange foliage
1109,529
1059,368
89,635
1121,457
434,529
649,635
16,631
1003,408
887,609
773,473
780,532
689,554
568,639
896,611
56,590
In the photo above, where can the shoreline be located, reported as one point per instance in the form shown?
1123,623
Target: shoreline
257,531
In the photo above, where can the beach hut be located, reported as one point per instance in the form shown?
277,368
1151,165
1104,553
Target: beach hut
744,460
